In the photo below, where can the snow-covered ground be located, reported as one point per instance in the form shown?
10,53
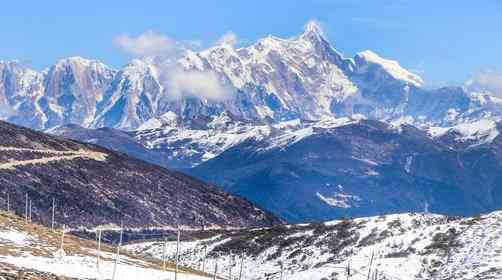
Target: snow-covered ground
403,246
35,248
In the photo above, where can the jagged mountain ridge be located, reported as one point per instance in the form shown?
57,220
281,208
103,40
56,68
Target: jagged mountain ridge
272,80
94,186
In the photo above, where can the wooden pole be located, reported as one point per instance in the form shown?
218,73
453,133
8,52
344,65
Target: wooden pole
230,267
215,269
98,254
164,252
371,263
26,208
282,270
118,250
242,266
177,254
62,239
204,259
30,210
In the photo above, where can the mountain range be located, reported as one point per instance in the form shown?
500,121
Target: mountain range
290,124
275,79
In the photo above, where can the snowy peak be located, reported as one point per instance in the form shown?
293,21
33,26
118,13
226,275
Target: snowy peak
313,27
366,59
313,31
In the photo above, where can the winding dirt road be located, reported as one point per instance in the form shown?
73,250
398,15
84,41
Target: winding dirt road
56,156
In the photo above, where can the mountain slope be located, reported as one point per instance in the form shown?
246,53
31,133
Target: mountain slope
112,139
358,169
93,186
30,251
401,246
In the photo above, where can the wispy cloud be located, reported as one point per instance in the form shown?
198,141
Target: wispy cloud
178,81
202,84
149,43
487,80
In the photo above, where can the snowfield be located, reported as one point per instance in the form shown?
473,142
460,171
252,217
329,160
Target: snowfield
33,248
403,246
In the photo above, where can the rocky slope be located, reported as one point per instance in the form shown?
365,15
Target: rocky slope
401,246
93,186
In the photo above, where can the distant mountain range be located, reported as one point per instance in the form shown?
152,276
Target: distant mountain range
292,125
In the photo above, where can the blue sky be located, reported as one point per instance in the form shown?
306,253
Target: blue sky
446,41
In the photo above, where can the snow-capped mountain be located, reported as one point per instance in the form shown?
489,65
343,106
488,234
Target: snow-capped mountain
272,80
388,247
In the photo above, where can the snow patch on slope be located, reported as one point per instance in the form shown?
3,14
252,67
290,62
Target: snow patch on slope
482,131
340,200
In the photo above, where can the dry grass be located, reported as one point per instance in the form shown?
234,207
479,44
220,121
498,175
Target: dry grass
46,242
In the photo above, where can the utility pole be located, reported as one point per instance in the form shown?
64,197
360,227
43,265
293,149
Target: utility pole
53,212
348,270
118,250
177,254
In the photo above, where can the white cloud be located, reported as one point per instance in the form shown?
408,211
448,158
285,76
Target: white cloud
486,81
202,84
149,43
229,38
179,82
